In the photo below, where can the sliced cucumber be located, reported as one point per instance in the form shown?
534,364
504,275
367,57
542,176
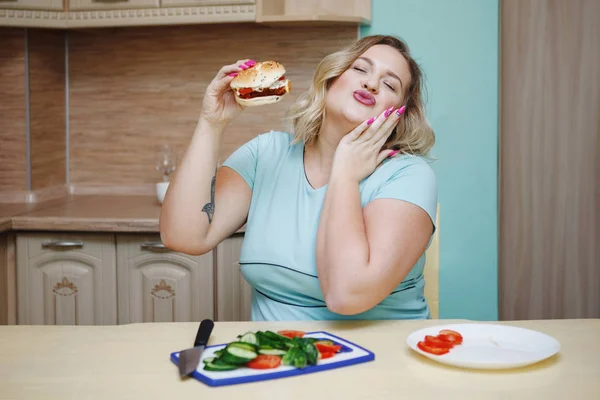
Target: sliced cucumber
209,360
219,366
272,352
237,355
249,338
242,345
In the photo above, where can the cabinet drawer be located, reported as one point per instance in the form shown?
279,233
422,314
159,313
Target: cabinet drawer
112,4
177,3
32,4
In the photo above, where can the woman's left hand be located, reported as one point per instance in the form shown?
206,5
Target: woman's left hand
359,152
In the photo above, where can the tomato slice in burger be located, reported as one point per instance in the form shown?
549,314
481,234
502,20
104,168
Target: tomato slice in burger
291,334
437,342
264,361
245,91
438,351
451,336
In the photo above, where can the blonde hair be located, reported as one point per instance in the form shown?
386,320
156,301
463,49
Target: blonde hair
412,135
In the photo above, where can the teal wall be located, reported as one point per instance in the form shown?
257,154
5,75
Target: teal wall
456,43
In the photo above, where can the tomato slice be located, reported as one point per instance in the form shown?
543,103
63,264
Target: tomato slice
264,361
328,348
291,334
245,91
327,354
437,342
451,336
438,351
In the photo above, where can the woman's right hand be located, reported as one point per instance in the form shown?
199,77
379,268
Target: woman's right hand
219,107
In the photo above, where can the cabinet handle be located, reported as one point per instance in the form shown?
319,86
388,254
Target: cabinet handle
153,246
62,244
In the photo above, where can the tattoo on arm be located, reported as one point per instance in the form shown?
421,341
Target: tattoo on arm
209,208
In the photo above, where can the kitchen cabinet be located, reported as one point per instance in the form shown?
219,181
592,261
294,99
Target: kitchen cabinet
233,292
106,279
112,4
8,296
113,13
159,285
32,4
176,3
66,279
313,12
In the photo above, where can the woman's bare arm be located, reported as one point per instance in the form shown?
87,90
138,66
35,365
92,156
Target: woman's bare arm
202,206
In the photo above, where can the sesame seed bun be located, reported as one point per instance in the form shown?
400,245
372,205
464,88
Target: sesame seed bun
262,84
262,74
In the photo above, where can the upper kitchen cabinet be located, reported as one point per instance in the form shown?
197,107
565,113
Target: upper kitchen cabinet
115,13
159,285
112,4
112,13
66,279
32,4
226,3
313,12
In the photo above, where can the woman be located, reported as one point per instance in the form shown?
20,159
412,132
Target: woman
339,215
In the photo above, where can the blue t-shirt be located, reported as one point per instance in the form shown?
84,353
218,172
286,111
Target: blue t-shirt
278,253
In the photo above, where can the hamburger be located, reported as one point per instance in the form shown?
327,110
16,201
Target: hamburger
263,83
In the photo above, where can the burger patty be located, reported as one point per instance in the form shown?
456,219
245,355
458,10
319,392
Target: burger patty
267,92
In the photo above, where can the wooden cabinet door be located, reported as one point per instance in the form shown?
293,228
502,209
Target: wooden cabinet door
32,4
159,285
176,3
233,292
8,280
66,279
78,5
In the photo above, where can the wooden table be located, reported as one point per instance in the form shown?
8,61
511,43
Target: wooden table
132,362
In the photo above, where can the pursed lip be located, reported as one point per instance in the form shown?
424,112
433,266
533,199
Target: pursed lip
364,97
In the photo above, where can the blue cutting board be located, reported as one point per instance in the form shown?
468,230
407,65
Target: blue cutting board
350,354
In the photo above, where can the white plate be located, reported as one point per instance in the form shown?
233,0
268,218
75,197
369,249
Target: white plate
490,346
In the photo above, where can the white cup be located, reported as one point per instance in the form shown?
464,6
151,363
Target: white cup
161,190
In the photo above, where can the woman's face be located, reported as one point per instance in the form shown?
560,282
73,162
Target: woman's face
376,81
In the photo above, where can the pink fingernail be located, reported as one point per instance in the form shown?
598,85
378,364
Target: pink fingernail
388,112
369,122
250,63
244,66
233,74
401,110
393,153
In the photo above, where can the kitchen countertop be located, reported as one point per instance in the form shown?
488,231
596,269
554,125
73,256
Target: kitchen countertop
90,213
132,361
95,213
9,210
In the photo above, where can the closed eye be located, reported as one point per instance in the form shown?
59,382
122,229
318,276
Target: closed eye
359,69
390,86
